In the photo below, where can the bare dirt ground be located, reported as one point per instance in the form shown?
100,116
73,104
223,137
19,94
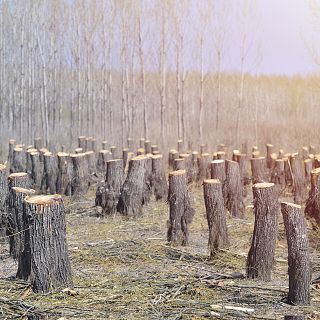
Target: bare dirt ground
124,269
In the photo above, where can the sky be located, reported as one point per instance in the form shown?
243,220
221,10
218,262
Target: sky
285,28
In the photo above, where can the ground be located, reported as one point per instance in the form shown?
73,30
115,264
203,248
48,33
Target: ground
124,269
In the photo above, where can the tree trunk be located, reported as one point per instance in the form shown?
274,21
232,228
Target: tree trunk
12,143
50,172
173,154
131,198
234,190
18,179
147,180
37,143
181,211
204,166
108,194
260,259
269,152
49,260
36,171
242,159
298,254
64,175
82,142
114,152
288,171
194,165
278,174
258,170
4,191
179,164
312,209
299,181
79,183
19,160
103,157
307,170
180,146
218,233
159,181
147,146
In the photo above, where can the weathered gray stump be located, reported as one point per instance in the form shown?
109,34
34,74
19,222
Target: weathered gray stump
298,254
125,153
154,148
269,148
260,259
234,190
195,168
180,146
278,174
173,154
19,160
312,209
12,144
18,179
131,198
91,162
307,170
221,155
147,146
4,191
49,261
299,181
29,163
87,144
181,211
131,155
147,193
79,183
50,173
38,144
258,170
114,152
141,152
130,144
204,166
218,233
64,174
159,181
203,148
78,150
105,145
141,142
188,165
108,194
93,145
36,170
16,225
218,171
103,157
287,170
242,159
179,164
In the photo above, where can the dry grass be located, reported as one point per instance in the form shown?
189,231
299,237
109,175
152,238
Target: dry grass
123,269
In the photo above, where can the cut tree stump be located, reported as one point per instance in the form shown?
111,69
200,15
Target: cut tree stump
307,170
141,142
159,181
79,183
130,143
173,154
195,167
181,211
204,166
103,157
298,254
287,170
38,144
147,193
312,209
278,174
108,194
147,146
19,160
131,198
49,261
180,146
234,190
105,145
178,164
299,181
82,142
36,170
64,174
114,152
258,170
12,144
242,159
218,233
269,148
260,259
50,173
218,171
4,191
18,179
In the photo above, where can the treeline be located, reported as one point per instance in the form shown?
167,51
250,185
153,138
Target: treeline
156,69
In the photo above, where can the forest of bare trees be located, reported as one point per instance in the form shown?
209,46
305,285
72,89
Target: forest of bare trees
156,69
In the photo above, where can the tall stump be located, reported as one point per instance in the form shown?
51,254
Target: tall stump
159,181
18,179
299,181
181,211
258,169
312,209
19,160
49,261
298,254
80,179
204,166
260,259
50,173
218,234
3,201
64,174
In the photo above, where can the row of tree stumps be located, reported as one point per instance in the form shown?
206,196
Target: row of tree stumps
36,228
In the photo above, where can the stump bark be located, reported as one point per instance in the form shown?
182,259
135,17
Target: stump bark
103,157
36,170
38,144
260,259
147,193
4,191
50,172
298,254
269,148
79,183
107,195
213,198
234,190
19,160
131,197
12,144
258,170
18,179
299,181
312,209
181,211
173,154
278,174
49,261
82,142
64,174
307,170
147,146
159,181
204,166
178,164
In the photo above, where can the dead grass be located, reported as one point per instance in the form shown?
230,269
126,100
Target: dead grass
123,269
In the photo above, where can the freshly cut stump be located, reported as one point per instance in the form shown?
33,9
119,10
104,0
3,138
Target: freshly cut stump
4,191
108,194
12,144
173,154
234,190
260,259
19,160
50,173
147,193
103,157
258,169
298,254
159,181
64,174
299,181
36,170
312,209
204,166
80,180
181,211
49,261
131,198
218,233
178,164
278,174
218,171
18,179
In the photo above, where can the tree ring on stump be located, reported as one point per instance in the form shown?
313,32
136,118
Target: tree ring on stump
211,181
177,173
261,185
17,175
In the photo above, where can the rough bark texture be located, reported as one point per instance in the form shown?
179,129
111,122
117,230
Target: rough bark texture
234,190
114,152
159,181
147,193
312,209
204,166
18,179
188,165
269,148
50,173
64,175
260,259
287,170
50,266
103,157
19,160
278,174
12,144
258,170
218,233
38,144
125,153
108,194
131,198
218,171
173,154
79,184
154,148
82,142
181,211
195,168
298,254
305,153
178,164
147,146
36,170
242,159
91,162
299,181
4,191
307,170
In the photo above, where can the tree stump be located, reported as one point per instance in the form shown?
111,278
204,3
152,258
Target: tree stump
299,181
105,145
18,179
218,171
159,181
188,165
64,174
195,168
79,183
49,261
36,170
141,142
234,190
4,191
103,157
235,155
82,142
180,146
203,148
125,153
50,173
141,152
19,160
304,153
130,144
287,171
204,166
179,164
278,174
298,254
147,193
260,259
312,209
258,170
307,170
131,198
173,154
213,198
78,150
181,211
269,148
242,159
154,148
38,144
12,144
147,146
221,155
107,195
114,152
